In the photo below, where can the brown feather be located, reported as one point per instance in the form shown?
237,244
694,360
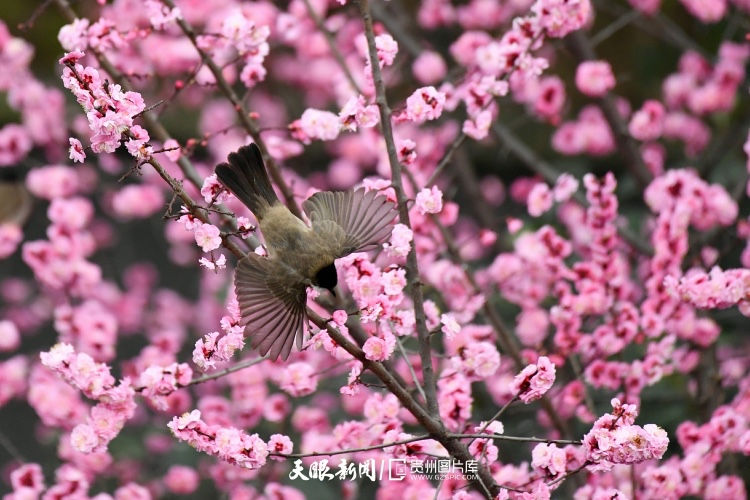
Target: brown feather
272,304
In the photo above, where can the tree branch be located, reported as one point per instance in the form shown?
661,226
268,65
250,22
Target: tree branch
248,123
412,268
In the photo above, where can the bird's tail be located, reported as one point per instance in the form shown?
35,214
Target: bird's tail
246,177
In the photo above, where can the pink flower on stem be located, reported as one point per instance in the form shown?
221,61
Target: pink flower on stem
378,349
560,17
208,237
424,104
356,113
450,327
548,459
298,379
136,201
540,199
407,151
534,380
212,348
160,16
181,479
158,382
244,227
27,481
353,383
400,243
429,67
477,360
387,49
479,127
9,336
10,237
429,201
647,123
339,317
564,188
116,404
614,439
137,143
595,78
280,443
76,150
717,289
549,98
15,144
317,124
213,191
173,152
214,264
229,444
708,12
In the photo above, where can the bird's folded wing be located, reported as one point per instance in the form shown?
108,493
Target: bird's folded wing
272,303
363,216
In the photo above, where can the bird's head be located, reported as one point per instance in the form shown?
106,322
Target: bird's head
327,278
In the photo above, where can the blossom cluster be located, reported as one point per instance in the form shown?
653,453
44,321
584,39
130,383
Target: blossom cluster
115,402
229,444
615,439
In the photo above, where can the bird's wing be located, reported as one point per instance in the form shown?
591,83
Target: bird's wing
363,216
272,303
245,175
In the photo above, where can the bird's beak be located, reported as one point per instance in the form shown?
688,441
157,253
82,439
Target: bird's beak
333,292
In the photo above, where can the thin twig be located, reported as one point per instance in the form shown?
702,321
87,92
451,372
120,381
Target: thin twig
566,476
658,26
239,366
8,445
615,26
495,417
502,437
34,16
411,368
394,26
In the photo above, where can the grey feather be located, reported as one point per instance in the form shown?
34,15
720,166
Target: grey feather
363,216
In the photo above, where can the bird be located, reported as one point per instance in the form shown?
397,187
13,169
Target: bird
272,291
